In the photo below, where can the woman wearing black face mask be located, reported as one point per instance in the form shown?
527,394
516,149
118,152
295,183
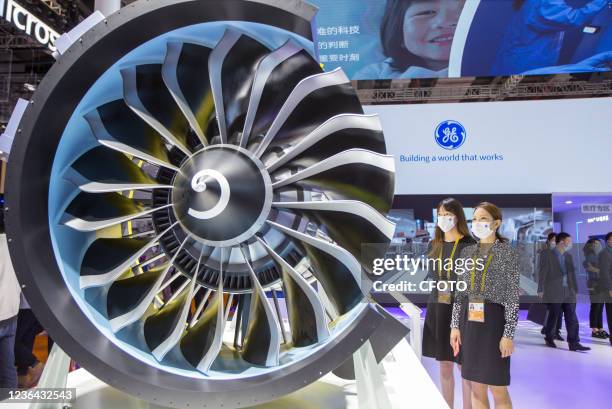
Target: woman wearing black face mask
452,235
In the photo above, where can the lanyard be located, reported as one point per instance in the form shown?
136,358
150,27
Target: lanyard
484,273
448,272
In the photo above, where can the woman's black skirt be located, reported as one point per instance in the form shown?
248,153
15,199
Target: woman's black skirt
482,361
436,332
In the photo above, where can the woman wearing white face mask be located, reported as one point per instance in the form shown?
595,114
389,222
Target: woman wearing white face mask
451,237
485,315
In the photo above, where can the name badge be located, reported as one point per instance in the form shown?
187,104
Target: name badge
444,297
476,311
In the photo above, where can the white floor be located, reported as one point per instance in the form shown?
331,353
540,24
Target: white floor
546,378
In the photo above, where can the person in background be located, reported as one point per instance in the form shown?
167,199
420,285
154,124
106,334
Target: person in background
29,369
551,242
591,251
535,35
558,287
416,36
485,316
605,273
452,235
9,307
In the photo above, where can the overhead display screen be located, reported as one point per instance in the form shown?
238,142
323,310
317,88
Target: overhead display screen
394,39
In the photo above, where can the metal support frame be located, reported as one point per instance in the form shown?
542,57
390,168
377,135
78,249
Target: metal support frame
7,138
103,8
508,86
107,7
402,92
55,375
371,392
19,41
55,7
64,42
414,313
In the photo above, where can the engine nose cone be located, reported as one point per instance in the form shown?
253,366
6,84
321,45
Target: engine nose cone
222,195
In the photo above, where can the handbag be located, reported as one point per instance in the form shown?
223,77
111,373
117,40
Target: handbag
593,285
537,313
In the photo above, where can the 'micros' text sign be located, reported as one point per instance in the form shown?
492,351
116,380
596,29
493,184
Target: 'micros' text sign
25,21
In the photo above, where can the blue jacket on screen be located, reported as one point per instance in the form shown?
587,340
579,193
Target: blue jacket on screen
535,34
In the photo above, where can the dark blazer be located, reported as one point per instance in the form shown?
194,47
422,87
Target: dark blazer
550,279
605,272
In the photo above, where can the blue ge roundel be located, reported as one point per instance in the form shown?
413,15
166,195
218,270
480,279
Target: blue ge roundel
450,135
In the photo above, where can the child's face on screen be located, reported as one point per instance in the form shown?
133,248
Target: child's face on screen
429,28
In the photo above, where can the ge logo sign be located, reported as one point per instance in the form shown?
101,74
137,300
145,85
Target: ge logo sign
450,135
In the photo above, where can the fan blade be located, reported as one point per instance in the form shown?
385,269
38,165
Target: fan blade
139,308
198,311
306,314
101,170
202,342
163,330
146,94
335,268
277,74
348,222
312,102
232,66
125,295
340,133
91,212
355,174
107,259
263,335
184,67
118,128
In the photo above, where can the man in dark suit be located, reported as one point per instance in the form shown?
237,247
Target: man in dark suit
551,243
558,287
605,274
